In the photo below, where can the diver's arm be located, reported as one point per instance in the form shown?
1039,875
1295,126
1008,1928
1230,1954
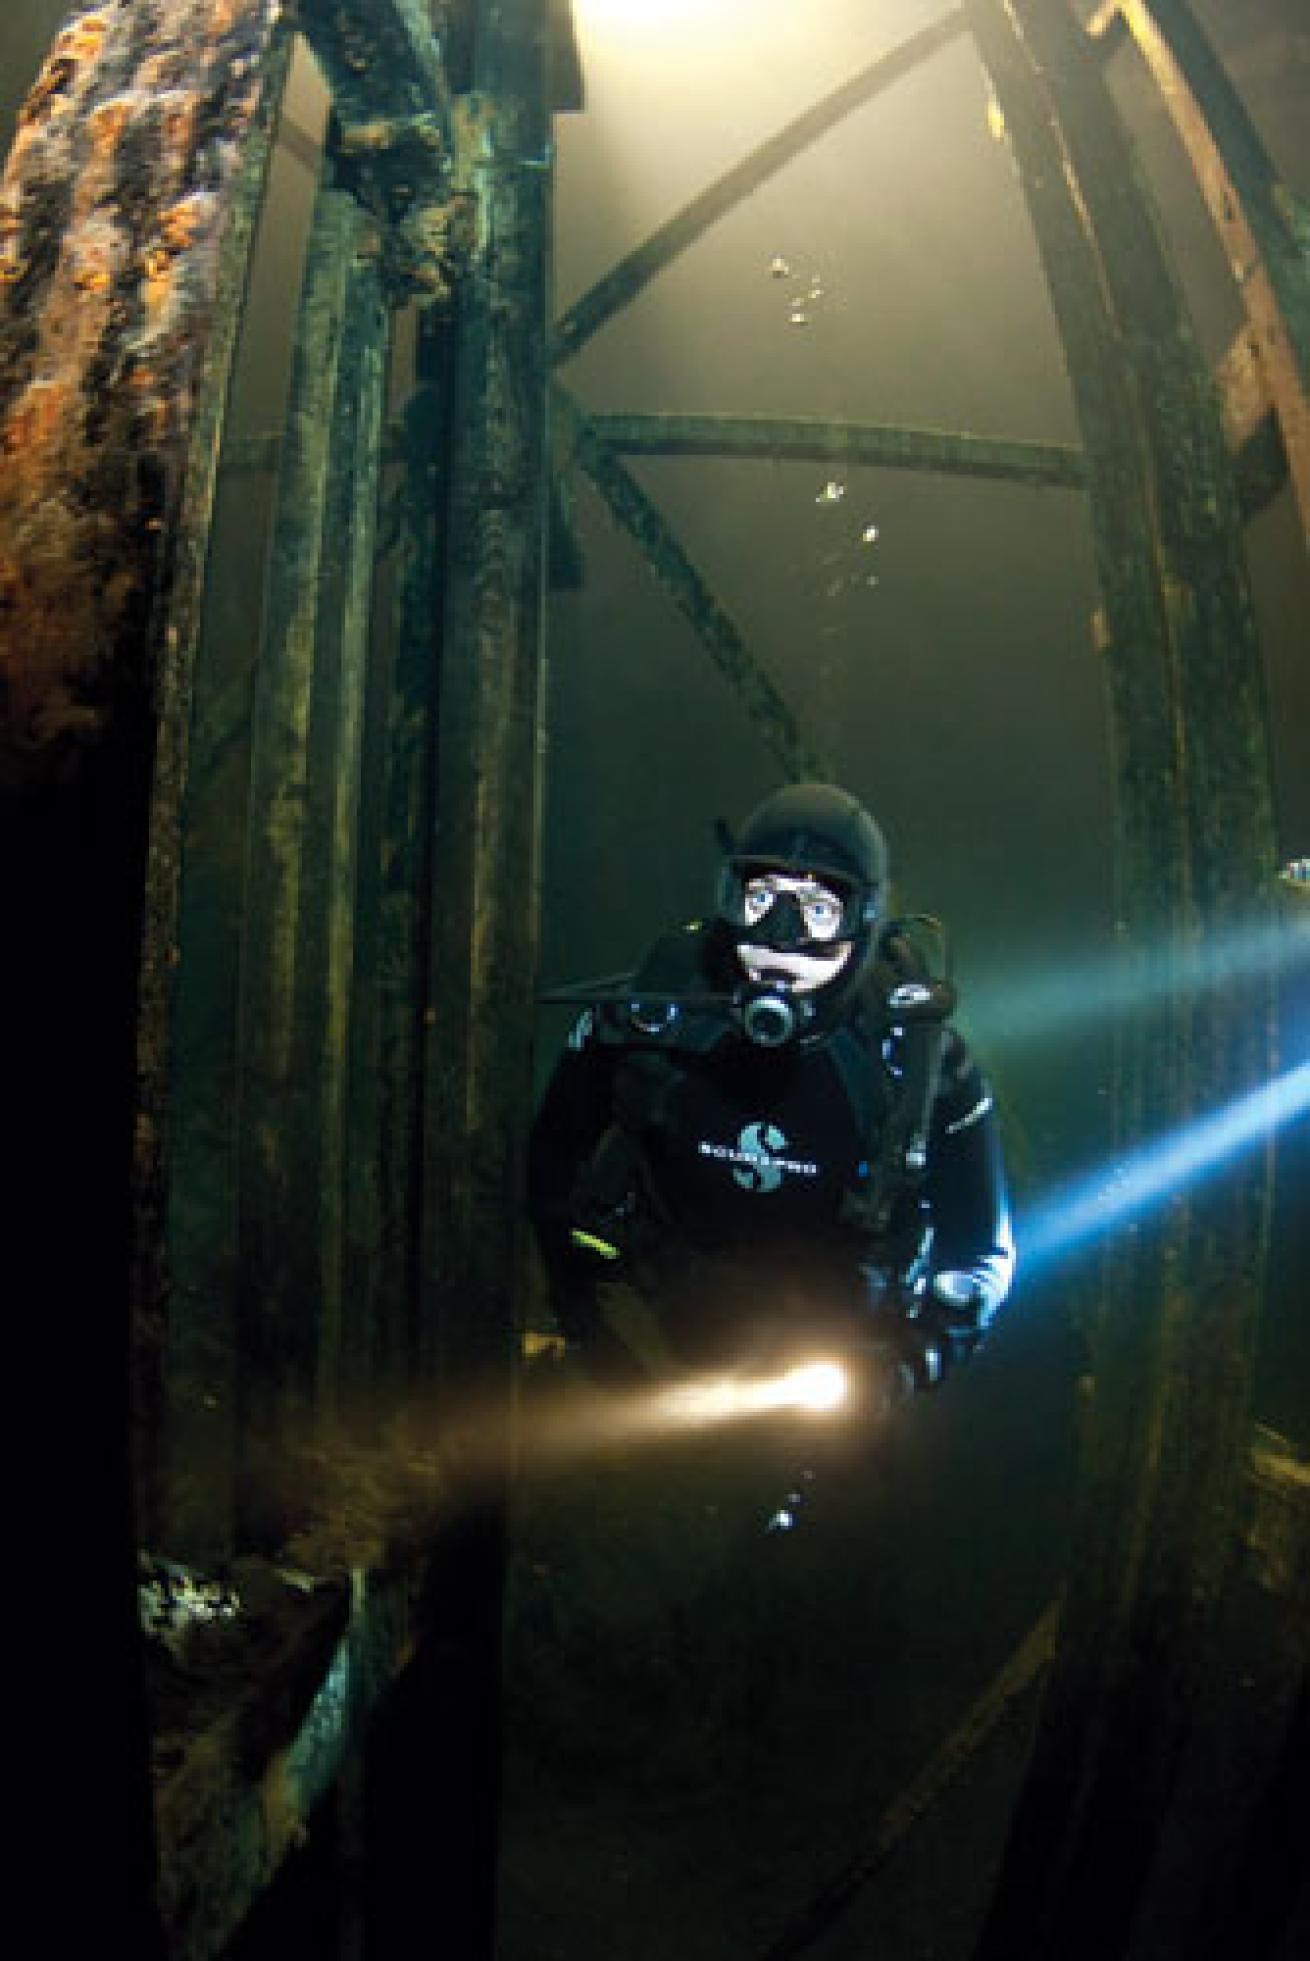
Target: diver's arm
575,1111
567,1138
973,1254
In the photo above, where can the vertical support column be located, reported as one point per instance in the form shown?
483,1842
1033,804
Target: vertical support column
403,725
435,1797
485,848
335,997
186,1245
296,972
1255,216
1195,861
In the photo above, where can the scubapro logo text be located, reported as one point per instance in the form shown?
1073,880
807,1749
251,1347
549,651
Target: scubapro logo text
759,1165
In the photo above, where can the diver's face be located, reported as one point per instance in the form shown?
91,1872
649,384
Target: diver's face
821,911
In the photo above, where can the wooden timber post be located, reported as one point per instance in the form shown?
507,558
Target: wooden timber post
1160,1486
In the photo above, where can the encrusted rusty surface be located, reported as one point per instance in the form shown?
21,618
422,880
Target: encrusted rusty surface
1271,275
1162,1477
112,211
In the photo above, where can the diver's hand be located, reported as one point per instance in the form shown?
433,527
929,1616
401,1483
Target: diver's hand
954,1318
925,1339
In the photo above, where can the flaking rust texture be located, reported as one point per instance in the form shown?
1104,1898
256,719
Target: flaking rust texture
112,208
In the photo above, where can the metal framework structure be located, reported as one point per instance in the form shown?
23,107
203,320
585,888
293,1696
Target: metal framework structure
294,870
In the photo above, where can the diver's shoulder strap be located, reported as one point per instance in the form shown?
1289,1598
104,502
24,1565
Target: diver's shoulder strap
904,1007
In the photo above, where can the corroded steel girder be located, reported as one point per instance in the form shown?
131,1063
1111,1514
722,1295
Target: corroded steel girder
115,202
393,139
383,65
483,870
634,272
1255,216
871,445
1195,850
125,206
579,442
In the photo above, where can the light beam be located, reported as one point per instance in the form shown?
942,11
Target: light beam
813,1387
1041,1002
1091,1205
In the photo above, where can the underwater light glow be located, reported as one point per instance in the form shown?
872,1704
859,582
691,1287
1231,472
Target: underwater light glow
1048,1001
1091,1205
818,1386
812,1386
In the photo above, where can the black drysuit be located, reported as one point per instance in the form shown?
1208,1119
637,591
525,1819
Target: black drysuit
733,1181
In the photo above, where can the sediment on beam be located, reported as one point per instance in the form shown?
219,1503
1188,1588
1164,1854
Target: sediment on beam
392,140
579,442
632,274
182,1328
1276,1526
286,927
1170,37
1251,428
255,1718
336,993
1162,1476
399,788
1250,210
386,71
482,912
866,444
117,198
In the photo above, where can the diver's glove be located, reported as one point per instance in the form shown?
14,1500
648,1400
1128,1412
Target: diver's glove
933,1333
954,1317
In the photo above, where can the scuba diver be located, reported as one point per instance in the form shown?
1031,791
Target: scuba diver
770,1131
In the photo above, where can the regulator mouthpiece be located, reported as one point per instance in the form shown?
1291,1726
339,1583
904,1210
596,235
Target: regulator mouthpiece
769,1018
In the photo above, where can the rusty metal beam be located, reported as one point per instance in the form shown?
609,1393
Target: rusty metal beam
298,900
877,446
336,993
277,1704
1195,850
634,272
1244,398
402,780
483,891
393,139
123,215
384,67
578,442
1250,211
1250,426
435,1849
117,196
